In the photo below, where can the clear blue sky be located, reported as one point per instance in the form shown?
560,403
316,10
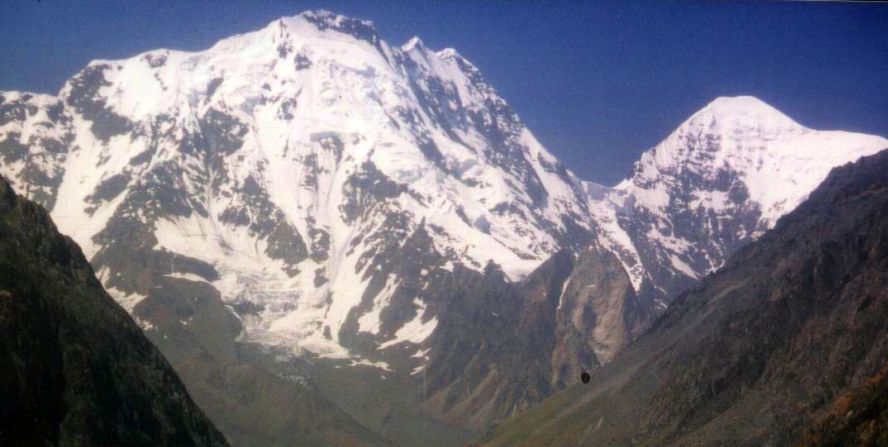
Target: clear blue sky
598,82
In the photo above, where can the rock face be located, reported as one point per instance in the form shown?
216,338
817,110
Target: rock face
75,368
502,347
312,193
785,344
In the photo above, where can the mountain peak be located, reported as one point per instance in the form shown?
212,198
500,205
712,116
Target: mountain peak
449,53
319,128
325,20
737,164
727,113
318,23
742,101
414,43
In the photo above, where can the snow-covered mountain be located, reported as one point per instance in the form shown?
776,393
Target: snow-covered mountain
719,181
294,160
309,189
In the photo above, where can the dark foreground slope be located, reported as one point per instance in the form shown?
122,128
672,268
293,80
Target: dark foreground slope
858,417
74,368
786,345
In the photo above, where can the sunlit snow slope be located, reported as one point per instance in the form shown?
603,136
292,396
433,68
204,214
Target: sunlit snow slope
286,167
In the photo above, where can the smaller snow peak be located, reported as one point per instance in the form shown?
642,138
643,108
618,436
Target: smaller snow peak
741,105
741,101
728,113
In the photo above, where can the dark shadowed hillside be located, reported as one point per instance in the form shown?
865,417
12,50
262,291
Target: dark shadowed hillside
787,344
75,369
859,417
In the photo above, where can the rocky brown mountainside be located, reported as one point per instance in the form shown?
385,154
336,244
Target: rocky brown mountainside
859,417
787,342
74,367
506,346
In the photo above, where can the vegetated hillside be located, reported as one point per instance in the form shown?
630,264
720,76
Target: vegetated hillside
74,368
787,342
